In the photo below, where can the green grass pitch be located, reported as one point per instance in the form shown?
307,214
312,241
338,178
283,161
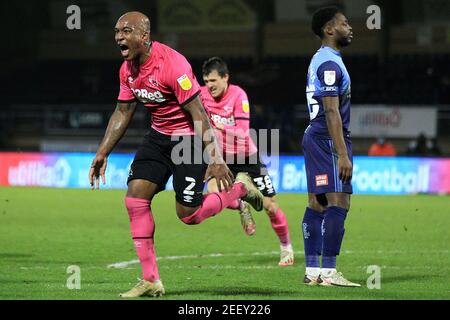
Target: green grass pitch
44,231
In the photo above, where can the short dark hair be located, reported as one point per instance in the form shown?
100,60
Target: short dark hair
321,17
215,63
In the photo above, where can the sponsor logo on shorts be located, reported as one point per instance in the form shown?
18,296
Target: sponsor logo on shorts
321,180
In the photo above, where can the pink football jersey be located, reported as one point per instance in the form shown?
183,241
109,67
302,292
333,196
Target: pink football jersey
164,83
232,113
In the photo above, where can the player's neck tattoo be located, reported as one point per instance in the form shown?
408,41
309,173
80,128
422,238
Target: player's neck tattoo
145,56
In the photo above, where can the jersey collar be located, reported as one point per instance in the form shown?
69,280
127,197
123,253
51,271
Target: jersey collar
331,50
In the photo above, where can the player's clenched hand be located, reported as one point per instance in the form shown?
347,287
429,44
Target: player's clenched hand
345,168
98,168
221,173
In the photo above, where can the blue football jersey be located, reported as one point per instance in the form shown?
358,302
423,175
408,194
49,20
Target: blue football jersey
327,76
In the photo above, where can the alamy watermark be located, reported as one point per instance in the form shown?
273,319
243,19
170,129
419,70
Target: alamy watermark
374,280
74,280
374,20
230,144
73,21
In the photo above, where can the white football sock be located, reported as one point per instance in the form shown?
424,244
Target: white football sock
312,272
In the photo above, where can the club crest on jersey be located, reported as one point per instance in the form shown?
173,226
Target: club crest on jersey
329,77
321,180
130,79
184,82
153,82
245,106
227,108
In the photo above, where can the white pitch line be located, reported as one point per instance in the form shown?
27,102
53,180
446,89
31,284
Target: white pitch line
125,264
222,267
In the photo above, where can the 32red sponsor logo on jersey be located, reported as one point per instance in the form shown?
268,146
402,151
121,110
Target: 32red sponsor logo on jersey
222,120
148,97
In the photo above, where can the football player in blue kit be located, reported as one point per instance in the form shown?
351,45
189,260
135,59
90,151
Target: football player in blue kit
327,150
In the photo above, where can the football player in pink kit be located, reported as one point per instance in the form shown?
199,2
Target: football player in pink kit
229,111
163,81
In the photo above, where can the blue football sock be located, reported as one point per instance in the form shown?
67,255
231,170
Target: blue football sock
333,233
329,262
312,237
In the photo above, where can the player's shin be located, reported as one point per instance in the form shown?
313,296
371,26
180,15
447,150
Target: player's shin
312,238
215,202
280,226
333,232
142,231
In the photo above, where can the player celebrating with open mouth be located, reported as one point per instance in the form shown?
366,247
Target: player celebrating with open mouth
162,80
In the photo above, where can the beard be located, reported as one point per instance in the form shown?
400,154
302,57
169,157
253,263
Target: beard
344,41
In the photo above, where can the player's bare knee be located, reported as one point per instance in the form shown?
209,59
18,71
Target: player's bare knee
340,200
315,205
141,189
212,186
344,201
137,194
270,205
184,212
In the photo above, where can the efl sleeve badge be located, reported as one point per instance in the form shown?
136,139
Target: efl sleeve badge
245,106
184,82
329,77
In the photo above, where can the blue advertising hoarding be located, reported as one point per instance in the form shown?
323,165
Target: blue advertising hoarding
371,175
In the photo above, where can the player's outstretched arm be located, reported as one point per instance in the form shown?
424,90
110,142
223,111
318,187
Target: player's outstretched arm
217,168
118,124
334,124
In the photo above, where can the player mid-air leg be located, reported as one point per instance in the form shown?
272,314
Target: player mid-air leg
213,203
247,221
138,200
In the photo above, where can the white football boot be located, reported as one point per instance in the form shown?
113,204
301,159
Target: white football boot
254,197
286,256
247,221
335,278
145,288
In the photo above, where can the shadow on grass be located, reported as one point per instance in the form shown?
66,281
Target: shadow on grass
262,260
8,256
406,278
220,291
